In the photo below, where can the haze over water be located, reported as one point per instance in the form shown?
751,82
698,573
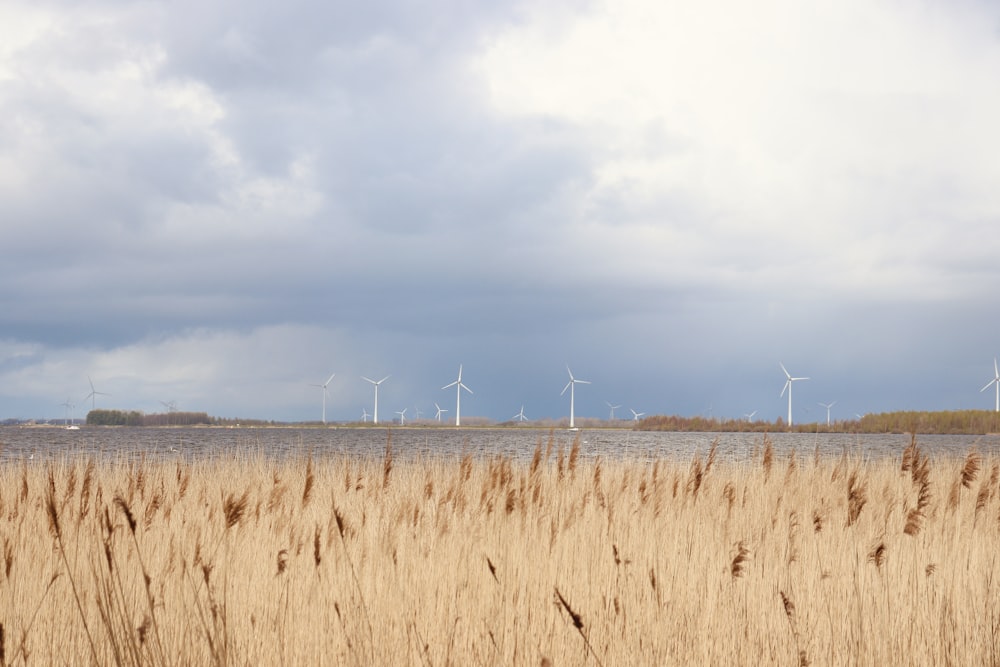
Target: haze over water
47,444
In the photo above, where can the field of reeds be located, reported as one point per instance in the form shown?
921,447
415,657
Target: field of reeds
562,560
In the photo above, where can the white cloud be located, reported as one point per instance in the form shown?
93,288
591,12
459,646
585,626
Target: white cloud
848,138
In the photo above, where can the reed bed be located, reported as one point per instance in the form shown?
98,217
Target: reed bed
491,561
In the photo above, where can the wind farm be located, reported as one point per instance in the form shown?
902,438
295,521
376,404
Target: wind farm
796,416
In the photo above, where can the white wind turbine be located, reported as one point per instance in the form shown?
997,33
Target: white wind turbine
458,390
439,411
788,387
636,415
613,408
364,415
375,416
402,416
69,406
749,416
324,387
93,394
827,406
996,381
571,385
520,415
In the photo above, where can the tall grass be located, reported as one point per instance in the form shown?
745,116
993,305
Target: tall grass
563,560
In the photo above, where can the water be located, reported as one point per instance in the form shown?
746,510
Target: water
115,444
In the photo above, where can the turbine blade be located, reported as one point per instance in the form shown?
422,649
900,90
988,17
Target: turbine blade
450,385
329,379
787,374
565,388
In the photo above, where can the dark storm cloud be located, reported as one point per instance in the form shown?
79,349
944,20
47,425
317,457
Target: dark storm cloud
374,98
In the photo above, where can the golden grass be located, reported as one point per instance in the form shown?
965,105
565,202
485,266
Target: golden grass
560,561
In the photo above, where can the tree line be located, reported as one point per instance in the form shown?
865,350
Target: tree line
137,418
950,422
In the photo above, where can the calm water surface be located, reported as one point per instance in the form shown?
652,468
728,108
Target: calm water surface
111,444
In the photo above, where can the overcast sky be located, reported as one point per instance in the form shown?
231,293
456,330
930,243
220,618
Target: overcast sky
220,204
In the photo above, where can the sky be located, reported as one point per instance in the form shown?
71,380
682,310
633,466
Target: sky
217,205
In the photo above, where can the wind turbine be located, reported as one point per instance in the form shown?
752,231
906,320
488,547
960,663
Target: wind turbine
458,390
93,394
439,411
325,392
520,415
749,416
827,406
571,385
375,416
788,387
613,408
402,416
171,407
69,406
364,415
636,415
996,381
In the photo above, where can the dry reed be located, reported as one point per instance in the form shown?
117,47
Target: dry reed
474,561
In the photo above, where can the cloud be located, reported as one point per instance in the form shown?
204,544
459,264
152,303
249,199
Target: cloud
212,204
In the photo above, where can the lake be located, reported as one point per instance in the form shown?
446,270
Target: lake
48,443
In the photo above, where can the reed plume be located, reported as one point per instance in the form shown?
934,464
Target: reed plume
857,497
738,564
971,468
310,480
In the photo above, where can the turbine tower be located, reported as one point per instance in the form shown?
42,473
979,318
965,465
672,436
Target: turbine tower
613,408
827,406
458,400
375,416
439,411
69,406
571,385
93,394
996,381
788,387
325,392
636,415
